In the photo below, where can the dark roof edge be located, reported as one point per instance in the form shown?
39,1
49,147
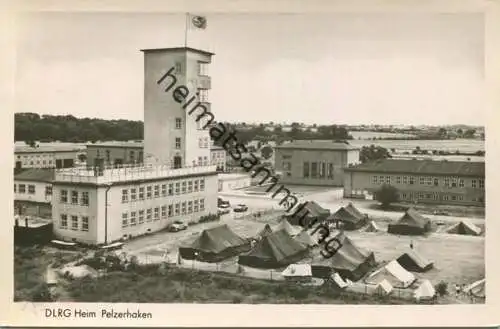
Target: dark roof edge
203,52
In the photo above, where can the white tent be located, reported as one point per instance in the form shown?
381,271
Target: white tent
339,281
297,270
383,288
372,227
424,291
394,273
477,288
289,228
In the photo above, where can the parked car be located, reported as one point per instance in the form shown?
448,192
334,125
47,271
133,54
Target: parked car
240,208
440,212
223,203
177,226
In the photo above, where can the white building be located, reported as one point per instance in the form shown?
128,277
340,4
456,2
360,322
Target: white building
45,156
218,158
176,181
228,182
33,192
95,207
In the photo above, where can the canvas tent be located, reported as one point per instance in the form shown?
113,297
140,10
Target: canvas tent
394,273
464,228
348,217
383,288
265,231
305,239
338,281
372,227
214,245
298,272
477,289
424,291
288,228
309,211
275,250
350,261
411,223
414,262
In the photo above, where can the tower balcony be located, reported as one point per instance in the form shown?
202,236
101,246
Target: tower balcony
204,82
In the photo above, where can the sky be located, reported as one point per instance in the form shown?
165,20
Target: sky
336,68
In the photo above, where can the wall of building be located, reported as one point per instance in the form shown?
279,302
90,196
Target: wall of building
112,154
356,183
117,207
44,159
39,194
218,158
339,159
233,183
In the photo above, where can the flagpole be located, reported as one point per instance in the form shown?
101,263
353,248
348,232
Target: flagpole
186,30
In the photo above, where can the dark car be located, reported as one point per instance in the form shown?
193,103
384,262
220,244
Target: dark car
240,208
177,226
223,203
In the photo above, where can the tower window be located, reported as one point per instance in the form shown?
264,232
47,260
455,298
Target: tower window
178,123
177,143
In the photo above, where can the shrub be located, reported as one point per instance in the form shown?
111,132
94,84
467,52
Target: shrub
442,288
41,294
209,218
386,195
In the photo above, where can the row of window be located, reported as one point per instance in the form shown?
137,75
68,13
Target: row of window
318,170
77,223
426,180
131,155
430,196
203,143
155,191
154,214
81,198
31,189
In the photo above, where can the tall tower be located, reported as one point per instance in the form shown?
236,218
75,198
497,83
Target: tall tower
175,81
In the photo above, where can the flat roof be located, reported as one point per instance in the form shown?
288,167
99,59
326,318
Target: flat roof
46,149
199,51
431,167
36,175
317,145
117,144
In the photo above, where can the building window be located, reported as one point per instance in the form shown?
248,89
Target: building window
422,180
124,196
481,183
170,189
195,205
64,221
461,183
141,193
177,188
177,209
388,179
200,142
74,223
74,197
108,155
177,143
405,180
403,195
64,194
124,220
374,179
474,183
445,197
205,143
148,192
163,211
205,161
157,191
200,161
436,182
178,123
190,186
85,199
15,188
453,198
412,180
330,171
141,216
178,68
202,68
323,170
183,208
48,190
447,181
461,197
429,180
164,189
314,170
398,179
149,213
190,207
170,210
202,204
421,195
183,190
85,223
202,185
133,215
454,182
132,156
196,185
133,194
157,213
203,95
31,189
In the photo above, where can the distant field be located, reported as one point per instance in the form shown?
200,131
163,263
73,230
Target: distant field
463,145
372,134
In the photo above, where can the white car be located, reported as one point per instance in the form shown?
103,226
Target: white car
177,226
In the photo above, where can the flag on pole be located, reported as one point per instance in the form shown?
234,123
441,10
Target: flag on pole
197,22
194,22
